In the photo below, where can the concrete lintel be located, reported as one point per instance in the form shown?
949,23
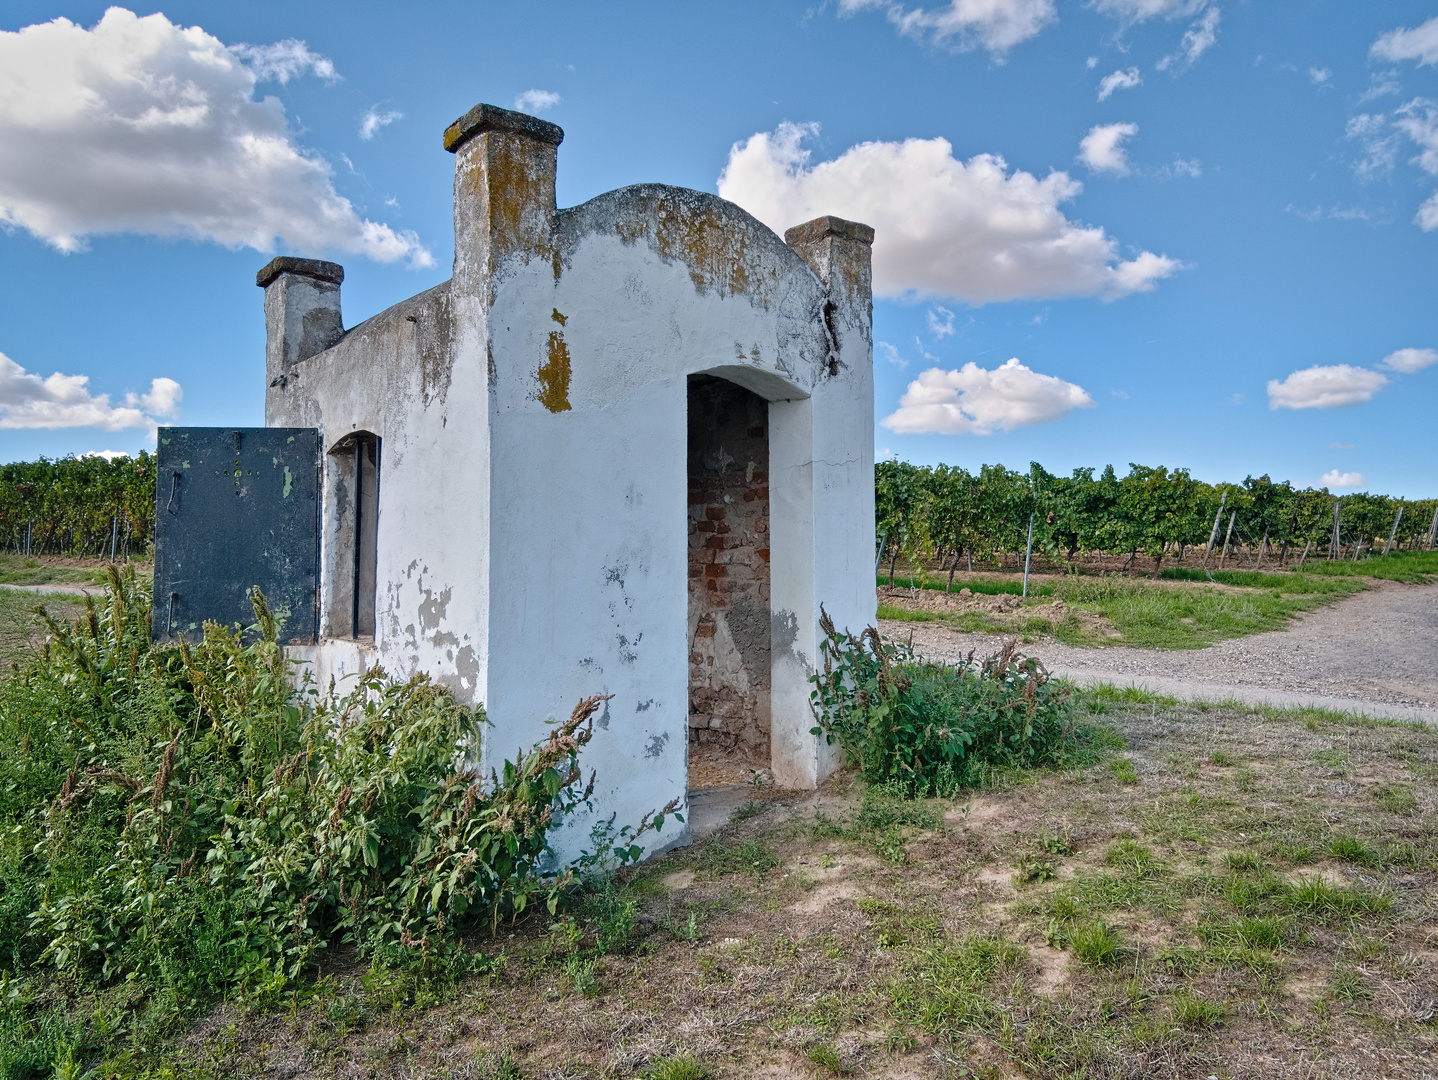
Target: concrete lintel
813,231
484,118
318,269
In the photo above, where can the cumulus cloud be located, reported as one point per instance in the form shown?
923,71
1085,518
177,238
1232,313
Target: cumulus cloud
1408,361
1125,79
941,321
1335,479
975,401
1325,387
138,125
376,118
944,228
1102,148
995,25
65,401
533,101
1318,76
108,455
1197,40
1420,43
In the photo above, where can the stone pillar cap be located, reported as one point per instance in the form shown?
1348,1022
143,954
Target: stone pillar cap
813,231
484,118
288,264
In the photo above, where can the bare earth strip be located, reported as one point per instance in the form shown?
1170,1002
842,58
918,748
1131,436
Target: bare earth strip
1375,653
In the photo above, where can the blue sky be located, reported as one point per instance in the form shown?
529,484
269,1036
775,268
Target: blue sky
1206,268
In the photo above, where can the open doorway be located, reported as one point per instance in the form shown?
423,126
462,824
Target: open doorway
729,622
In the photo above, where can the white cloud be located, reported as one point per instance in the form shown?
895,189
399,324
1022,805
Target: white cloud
941,327
375,118
1124,79
1427,216
65,401
108,455
1380,145
974,401
1192,168
1325,387
283,61
1091,62
1420,43
995,25
1102,148
944,228
1197,40
891,354
138,125
1318,76
1335,479
1419,121
1137,11
533,101
1409,360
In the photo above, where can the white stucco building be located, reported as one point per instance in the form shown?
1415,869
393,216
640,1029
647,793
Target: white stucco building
626,449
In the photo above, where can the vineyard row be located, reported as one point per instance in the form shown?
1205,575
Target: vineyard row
929,512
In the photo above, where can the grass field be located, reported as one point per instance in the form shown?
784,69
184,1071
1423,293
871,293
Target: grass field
1225,892
25,570
1148,614
21,629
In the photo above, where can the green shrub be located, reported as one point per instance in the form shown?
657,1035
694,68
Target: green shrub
180,816
920,728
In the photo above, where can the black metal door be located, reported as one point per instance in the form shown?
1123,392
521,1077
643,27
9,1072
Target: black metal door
235,508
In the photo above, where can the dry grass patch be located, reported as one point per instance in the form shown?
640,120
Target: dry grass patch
1239,907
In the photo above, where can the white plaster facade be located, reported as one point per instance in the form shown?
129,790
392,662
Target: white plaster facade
532,528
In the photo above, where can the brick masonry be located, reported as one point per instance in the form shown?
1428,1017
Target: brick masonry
729,658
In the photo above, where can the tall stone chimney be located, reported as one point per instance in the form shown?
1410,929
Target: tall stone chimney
302,313
503,193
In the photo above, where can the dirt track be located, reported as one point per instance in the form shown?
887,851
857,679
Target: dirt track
1379,646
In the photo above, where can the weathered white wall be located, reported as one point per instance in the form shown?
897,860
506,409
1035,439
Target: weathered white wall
532,507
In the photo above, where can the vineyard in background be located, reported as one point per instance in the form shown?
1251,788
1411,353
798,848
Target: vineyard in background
78,507
89,507
932,516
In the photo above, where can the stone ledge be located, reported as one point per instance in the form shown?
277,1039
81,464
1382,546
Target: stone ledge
484,118
813,231
313,268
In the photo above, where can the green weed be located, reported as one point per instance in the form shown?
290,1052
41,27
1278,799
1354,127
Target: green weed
748,856
1096,943
1191,1011
680,1067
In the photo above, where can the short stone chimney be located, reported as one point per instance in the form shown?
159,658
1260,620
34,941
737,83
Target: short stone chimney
503,192
840,252
302,312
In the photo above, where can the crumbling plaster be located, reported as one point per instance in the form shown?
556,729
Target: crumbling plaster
533,523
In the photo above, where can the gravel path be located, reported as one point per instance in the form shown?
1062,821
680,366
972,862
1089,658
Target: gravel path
1374,653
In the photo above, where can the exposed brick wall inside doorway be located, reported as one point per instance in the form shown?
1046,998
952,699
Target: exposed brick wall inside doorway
728,568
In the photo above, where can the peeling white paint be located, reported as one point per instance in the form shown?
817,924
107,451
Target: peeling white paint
532,523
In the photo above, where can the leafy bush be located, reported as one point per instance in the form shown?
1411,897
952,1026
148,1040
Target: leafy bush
181,817
921,728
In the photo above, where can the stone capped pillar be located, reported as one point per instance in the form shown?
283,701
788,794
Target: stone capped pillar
302,314
504,170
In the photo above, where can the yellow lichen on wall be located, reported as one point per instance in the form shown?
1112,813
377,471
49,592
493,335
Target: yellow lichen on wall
713,249
553,376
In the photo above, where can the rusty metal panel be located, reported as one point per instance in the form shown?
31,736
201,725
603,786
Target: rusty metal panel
236,508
